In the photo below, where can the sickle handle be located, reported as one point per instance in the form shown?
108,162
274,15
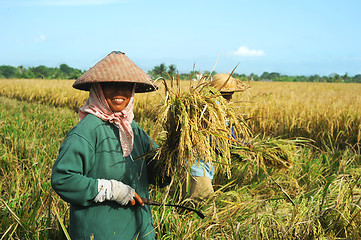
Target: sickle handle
150,202
154,203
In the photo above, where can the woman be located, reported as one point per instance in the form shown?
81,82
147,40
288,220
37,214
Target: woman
96,171
202,173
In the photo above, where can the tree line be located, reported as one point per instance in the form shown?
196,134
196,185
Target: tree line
62,72
162,70
166,71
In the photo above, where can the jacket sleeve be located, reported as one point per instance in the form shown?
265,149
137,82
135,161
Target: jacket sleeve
69,178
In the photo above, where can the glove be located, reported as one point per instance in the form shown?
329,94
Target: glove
121,193
113,190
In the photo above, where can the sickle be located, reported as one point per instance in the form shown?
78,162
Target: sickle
154,203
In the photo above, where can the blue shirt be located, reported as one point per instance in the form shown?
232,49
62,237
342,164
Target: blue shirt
202,169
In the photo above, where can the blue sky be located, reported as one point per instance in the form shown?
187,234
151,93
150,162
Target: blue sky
290,37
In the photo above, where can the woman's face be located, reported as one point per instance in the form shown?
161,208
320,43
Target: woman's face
227,95
117,94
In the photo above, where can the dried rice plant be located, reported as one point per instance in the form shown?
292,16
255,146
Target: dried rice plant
195,124
268,152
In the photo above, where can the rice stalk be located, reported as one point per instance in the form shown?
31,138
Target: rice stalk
195,124
268,152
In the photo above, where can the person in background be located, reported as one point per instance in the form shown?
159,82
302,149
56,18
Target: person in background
200,181
97,171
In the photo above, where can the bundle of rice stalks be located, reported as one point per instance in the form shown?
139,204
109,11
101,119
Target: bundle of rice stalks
273,153
196,125
254,165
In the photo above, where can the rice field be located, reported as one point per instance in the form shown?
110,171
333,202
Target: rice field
318,197
328,113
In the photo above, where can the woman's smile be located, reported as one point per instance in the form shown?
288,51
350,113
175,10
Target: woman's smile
118,100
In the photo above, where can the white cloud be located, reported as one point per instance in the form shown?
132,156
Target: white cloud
41,38
245,51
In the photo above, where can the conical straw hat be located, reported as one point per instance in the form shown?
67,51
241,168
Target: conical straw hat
116,67
225,83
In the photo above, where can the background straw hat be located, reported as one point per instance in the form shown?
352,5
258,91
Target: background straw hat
116,67
226,83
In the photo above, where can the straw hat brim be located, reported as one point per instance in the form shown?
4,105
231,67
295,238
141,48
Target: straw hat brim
116,67
139,87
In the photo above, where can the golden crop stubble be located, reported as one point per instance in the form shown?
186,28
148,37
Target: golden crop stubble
52,92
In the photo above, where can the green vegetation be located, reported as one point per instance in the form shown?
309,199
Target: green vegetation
164,71
30,137
41,72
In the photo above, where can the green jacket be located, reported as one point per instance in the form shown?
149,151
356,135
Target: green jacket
92,151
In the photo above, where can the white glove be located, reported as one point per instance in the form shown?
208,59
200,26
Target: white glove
114,191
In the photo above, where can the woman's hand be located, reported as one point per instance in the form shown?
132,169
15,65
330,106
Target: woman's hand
114,190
